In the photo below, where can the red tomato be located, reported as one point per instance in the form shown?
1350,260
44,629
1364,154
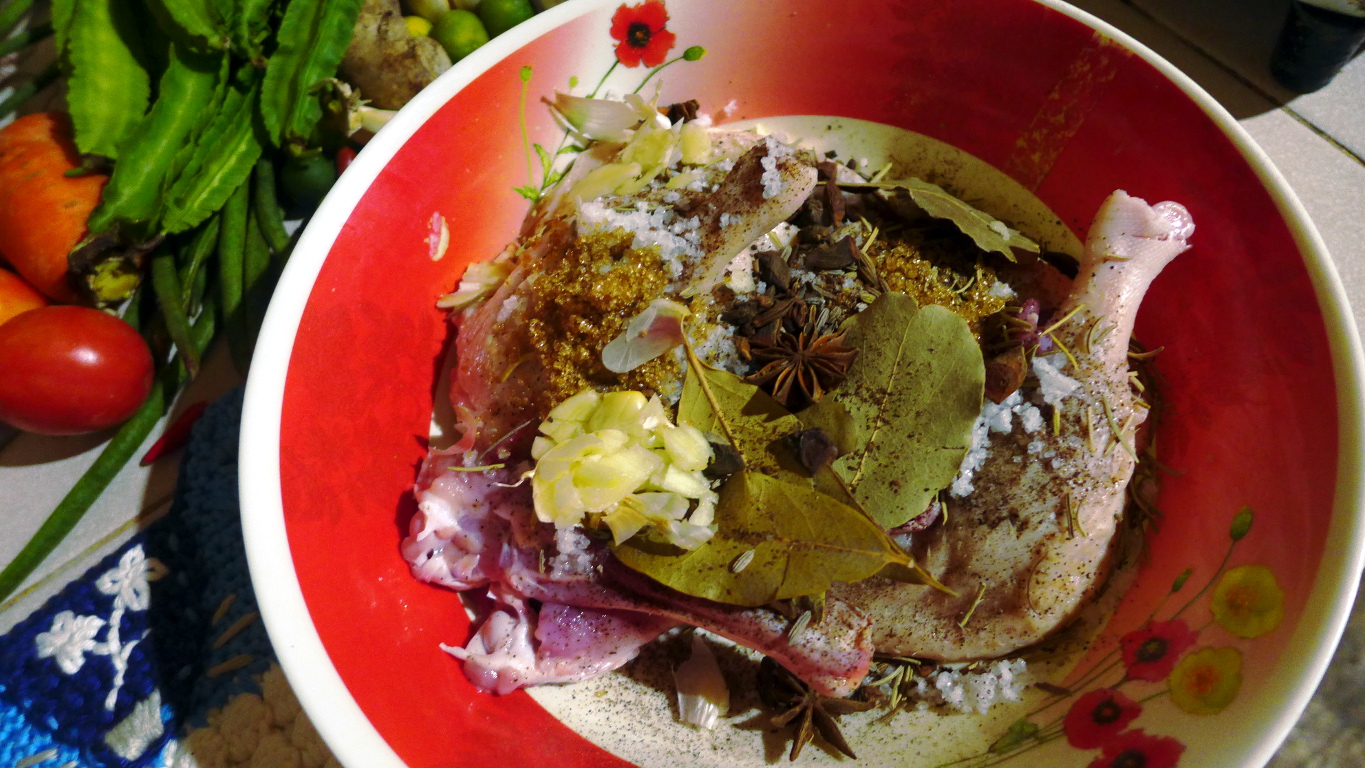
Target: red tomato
66,370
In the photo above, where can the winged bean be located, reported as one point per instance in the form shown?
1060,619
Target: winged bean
267,207
133,196
166,285
312,38
201,246
231,245
62,11
108,89
198,20
221,162
251,28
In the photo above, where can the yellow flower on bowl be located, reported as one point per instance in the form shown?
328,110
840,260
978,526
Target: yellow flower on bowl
1207,680
1248,601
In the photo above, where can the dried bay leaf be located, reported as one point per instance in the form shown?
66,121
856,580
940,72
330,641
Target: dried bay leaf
989,233
802,540
906,411
757,420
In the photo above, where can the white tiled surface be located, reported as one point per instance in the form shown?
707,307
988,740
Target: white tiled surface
1317,141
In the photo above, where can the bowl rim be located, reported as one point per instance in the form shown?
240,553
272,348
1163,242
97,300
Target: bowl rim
355,741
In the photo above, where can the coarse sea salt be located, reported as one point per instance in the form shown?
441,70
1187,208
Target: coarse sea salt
772,175
1001,290
1053,385
993,418
677,244
741,272
975,691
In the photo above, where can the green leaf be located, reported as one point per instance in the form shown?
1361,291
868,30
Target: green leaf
108,89
197,21
906,411
759,423
1180,580
1020,731
546,162
985,230
802,541
312,37
1241,523
222,160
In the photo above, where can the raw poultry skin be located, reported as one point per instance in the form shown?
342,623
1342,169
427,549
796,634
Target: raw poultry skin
1010,541
471,533
594,614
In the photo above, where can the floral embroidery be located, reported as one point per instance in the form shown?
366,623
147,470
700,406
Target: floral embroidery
1150,653
640,30
128,581
1097,717
69,639
1135,749
71,636
1248,601
1206,681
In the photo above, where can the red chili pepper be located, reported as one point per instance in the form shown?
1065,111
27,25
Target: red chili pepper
344,157
176,435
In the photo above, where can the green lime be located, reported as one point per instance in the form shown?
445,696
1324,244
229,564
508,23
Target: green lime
501,15
460,33
417,26
305,180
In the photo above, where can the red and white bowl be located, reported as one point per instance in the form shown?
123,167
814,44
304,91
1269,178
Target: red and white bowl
1262,371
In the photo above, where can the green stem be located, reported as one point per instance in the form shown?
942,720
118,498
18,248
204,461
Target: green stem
88,488
1226,557
525,133
603,81
656,71
166,285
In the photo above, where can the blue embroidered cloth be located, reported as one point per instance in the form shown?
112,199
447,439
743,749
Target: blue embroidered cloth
156,656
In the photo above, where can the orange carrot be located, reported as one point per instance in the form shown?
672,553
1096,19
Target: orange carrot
42,212
17,296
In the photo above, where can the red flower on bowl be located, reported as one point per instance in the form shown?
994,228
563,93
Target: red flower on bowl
1150,653
1097,717
1135,749
640,30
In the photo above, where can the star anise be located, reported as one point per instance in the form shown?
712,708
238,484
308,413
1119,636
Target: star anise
799,367
811,712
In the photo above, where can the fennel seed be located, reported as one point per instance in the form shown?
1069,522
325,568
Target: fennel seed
742,562
798,627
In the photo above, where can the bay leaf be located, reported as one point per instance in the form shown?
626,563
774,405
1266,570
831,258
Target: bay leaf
989,233
757,421
802,541
907,408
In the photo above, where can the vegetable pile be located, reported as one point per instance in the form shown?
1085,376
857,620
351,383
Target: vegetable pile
148,219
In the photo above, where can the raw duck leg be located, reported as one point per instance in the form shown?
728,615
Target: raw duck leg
1012,541
472,532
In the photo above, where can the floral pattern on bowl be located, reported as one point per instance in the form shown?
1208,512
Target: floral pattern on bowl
350,349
